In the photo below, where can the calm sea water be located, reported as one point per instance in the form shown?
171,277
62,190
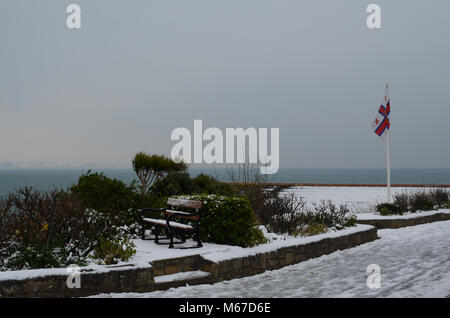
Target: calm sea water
45,179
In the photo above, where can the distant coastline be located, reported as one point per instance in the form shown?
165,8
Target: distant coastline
45,179
372,185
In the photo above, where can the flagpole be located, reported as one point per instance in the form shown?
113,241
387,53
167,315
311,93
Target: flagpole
388,155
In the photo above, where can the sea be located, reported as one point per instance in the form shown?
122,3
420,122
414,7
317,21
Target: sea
46,179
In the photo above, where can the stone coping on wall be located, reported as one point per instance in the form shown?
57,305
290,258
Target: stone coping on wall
221,265
94,280
397,221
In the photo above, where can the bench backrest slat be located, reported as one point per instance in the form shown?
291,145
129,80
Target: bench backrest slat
185,203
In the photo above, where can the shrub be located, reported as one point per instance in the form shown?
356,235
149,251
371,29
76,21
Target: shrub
310,229
37,255
440,197
283,212
401,201
228,220
388,209
55,229
150,168
203,183
279,212
98,192
330,215
421,201
174,183
113,251
8,225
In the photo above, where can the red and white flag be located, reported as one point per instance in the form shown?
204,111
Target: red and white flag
381,126
382,122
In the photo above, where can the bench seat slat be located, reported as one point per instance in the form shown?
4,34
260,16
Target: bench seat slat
185,215
175,225
173,211
185,203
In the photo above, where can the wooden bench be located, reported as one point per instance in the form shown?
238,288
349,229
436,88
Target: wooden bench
171,226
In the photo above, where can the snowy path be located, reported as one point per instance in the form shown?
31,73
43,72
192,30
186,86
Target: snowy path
414,261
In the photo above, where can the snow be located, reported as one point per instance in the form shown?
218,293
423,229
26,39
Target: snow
181,276
148,251
414,261
163,222
44,272
358,199
375,216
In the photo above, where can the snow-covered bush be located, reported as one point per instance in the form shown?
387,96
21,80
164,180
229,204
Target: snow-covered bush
328,214
55,229
285,213
278,211
100,193
389,209
227,220
425,200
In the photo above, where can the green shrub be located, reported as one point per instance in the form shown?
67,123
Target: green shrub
174,183
112,251
388,209
310,229
103,194
228,220
150,168
203,183
36,255
351,221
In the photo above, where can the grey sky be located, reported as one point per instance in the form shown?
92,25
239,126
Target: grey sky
138,69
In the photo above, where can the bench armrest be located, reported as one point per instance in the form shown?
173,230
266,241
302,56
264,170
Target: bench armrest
141,212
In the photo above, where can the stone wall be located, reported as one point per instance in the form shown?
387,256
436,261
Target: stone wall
126,279
133,279
256,264
397,223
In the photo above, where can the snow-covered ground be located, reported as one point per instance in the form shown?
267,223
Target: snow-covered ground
147,251
358,199
408,215
414,262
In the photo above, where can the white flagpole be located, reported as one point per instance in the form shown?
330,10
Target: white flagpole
388,159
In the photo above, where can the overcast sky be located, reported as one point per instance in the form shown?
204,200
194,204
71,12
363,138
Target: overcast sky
138,69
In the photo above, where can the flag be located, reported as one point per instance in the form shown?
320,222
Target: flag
382,122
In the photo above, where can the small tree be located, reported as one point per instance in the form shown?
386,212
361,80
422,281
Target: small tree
150,168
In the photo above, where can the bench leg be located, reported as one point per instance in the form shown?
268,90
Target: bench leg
156,235
197,238
171,240
143,232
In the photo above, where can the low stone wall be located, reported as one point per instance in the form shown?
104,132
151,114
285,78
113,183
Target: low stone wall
119,279
256,264
397,223
135,279
177,265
